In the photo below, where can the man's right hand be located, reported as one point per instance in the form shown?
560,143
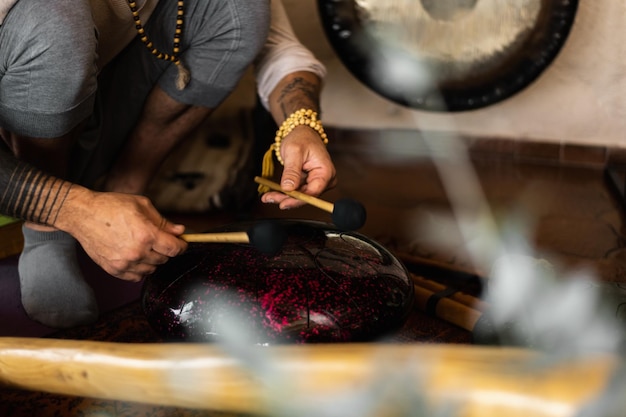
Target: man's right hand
122,233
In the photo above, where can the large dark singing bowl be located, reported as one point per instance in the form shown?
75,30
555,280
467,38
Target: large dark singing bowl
447,55
324,285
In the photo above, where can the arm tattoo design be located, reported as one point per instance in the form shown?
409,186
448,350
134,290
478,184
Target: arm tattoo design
28,193
299,93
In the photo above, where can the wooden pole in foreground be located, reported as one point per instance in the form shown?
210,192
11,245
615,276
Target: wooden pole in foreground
480,381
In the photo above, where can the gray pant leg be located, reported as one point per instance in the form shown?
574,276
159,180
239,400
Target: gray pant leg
47,67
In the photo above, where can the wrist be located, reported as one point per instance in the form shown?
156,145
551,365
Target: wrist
303,117
300,118
74,208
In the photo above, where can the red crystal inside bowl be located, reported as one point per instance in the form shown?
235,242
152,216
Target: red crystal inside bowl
324,285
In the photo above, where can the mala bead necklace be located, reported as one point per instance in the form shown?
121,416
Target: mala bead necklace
183,73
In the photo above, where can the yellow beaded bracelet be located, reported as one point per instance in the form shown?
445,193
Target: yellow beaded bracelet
306,117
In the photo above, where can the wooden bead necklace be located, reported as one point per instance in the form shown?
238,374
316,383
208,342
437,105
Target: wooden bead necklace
183,73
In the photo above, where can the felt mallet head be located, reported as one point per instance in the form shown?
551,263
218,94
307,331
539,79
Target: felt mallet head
348,214
266,236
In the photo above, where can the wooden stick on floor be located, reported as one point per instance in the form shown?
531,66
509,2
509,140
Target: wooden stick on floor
458,296
411,259
458,308
446,309
480,381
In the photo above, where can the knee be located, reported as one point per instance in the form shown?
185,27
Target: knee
55,39
49,52
68,40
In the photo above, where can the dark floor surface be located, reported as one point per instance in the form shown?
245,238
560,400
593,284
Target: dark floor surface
569,214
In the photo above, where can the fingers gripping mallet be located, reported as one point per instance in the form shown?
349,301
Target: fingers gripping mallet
346,213
267,237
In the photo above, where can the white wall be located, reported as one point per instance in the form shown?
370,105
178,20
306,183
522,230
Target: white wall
580,98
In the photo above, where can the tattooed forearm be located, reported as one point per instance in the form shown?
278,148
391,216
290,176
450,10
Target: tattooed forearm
28,193
297,94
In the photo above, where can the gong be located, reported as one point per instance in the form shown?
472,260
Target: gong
447,55
324,285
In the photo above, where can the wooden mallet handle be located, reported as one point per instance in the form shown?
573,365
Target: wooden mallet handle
347,214
267,237
225,237
309,199
475,381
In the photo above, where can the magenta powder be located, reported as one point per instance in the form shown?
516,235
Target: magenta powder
323,286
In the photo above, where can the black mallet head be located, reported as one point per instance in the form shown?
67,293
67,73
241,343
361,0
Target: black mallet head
267,237
348,214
